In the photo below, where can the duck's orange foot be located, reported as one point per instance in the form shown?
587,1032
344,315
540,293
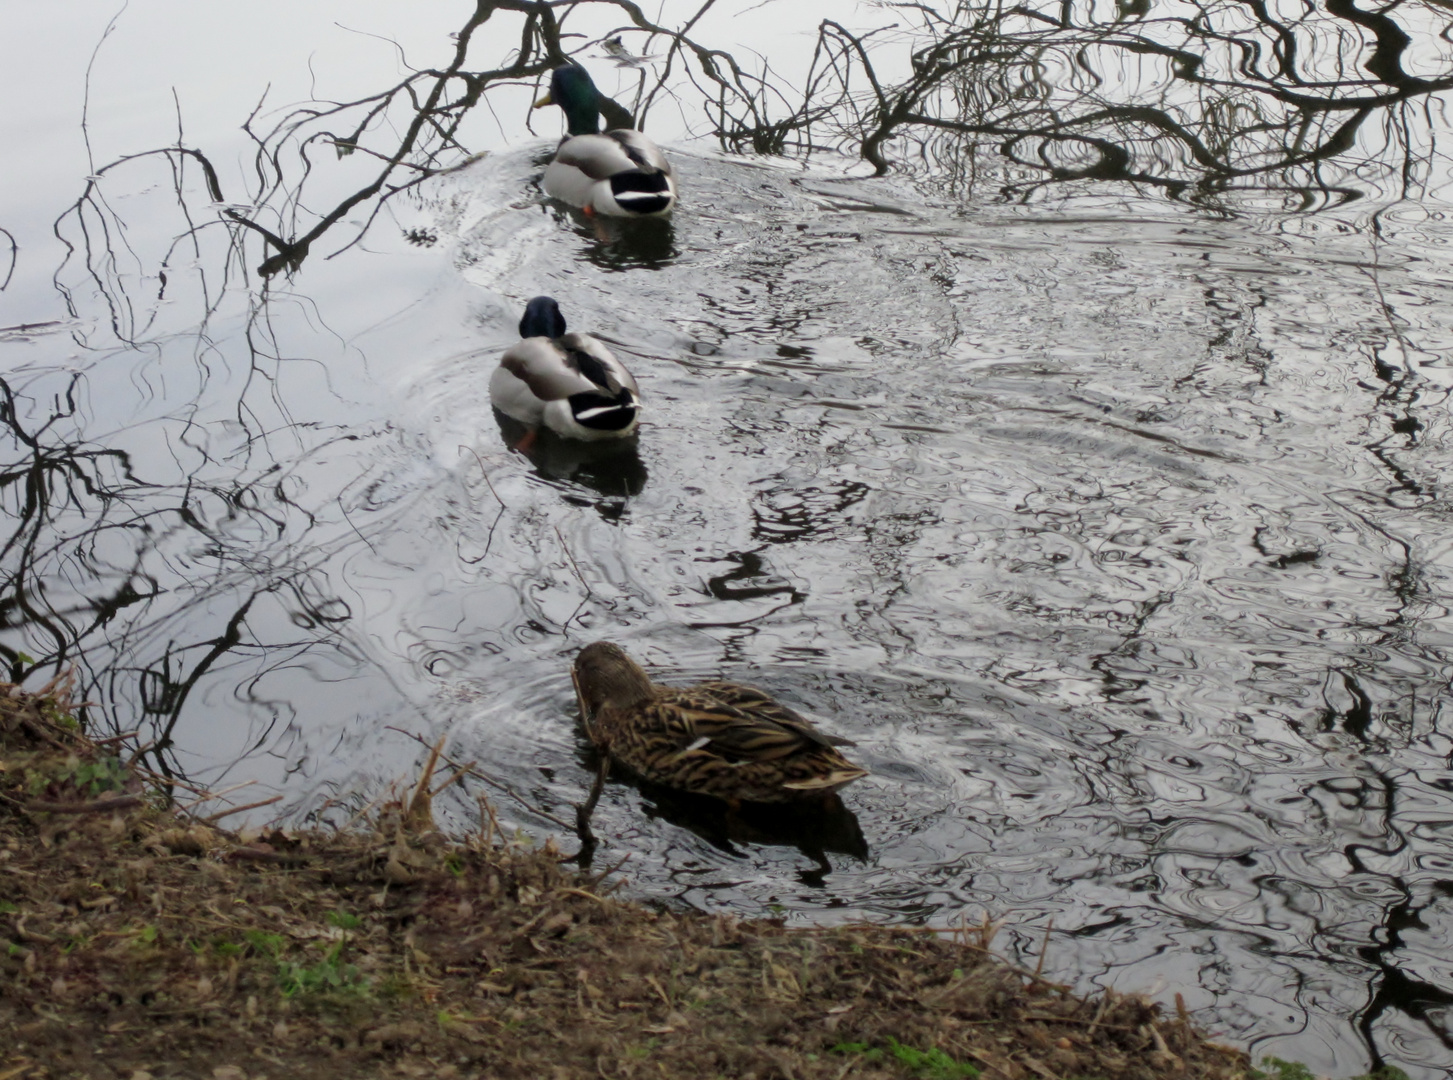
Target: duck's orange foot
527,440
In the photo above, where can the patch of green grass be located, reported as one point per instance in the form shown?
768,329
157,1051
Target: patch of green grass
61,719
216,944
144,935
328,976
933,1063
7,908
641,1052
1274,1068
872,1053
270,945
90,778
343,920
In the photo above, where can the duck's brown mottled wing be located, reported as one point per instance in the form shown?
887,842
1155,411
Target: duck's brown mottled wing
743,723
545,368
755,701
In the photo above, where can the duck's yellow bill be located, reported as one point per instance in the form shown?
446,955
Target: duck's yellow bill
546,100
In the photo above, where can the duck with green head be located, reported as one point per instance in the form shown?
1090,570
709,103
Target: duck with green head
570,383
722,739
620,173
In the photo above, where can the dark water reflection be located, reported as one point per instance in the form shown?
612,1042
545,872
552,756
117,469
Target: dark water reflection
1114,535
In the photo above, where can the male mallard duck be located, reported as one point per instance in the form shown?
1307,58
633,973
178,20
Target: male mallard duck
569,382
718,738
621,173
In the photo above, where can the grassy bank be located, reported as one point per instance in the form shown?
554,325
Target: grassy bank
141,941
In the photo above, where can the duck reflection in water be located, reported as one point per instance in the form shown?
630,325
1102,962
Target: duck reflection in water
613,469
617,244
816,827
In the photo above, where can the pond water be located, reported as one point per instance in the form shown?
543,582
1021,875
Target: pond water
1109,527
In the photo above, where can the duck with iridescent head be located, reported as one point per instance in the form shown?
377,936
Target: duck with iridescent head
570,383
620,173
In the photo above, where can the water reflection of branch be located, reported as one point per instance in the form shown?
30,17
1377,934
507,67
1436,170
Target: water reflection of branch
1236,98
1389,986
14,258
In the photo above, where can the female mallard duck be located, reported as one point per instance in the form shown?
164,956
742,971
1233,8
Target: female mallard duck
569,382
621,173
718,738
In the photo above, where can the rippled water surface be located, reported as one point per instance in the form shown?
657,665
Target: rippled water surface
1113,532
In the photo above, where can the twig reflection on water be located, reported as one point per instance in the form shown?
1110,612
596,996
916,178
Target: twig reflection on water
1200,100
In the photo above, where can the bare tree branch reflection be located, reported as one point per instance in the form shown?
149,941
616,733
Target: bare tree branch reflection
1209,98
14,258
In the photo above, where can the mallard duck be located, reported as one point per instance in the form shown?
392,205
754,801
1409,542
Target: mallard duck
718,738
621,173
569,382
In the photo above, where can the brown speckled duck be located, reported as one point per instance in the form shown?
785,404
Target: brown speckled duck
717,738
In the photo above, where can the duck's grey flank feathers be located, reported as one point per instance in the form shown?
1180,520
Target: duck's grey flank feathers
548,372
597,156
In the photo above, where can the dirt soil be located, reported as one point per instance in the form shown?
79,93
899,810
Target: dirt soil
138,941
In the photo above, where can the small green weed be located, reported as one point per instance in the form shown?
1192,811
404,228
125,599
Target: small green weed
59,717
102,775
1273,1068
217,945
270,945
7,908
91,778
640,1052
932,1063
329,975
343,920
1286,1070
